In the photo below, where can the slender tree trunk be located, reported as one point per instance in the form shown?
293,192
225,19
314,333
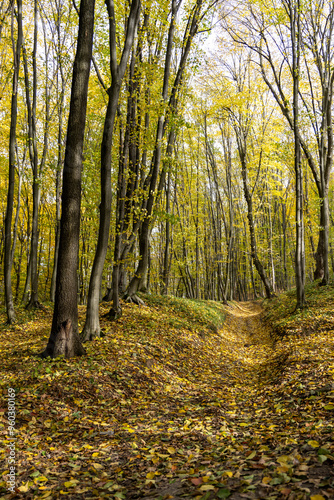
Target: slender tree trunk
8,259
33,153
294,8
166,259
163,121
322,253
92,324
61,91
248,197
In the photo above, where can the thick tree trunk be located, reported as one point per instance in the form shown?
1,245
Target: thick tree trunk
66,299
60,105
66,343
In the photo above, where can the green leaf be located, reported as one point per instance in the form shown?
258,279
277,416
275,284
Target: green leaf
223,493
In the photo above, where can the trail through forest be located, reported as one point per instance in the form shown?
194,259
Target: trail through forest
274,451
179,399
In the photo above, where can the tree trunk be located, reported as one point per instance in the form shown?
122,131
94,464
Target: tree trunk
92,324
248,197
294,10
322,253
8,259
60,105
166,258
66,299
190,32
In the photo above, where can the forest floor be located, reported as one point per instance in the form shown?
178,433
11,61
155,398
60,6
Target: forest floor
180,399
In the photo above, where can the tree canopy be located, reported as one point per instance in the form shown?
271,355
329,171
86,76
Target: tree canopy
204,175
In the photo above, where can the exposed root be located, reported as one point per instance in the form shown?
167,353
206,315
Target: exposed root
113,314
87,336
134,299
34,304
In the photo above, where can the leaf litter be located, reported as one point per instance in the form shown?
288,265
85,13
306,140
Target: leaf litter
180,399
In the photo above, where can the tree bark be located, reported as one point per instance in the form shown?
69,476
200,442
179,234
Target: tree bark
190,32
248,197
66,299
92,324
8,259
293,6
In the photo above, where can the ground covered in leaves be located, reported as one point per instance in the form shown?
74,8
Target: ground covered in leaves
180,399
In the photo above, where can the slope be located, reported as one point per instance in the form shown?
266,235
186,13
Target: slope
181,399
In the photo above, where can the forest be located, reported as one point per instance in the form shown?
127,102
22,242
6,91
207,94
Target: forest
166,191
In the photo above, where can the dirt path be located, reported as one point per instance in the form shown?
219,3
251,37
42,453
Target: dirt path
248,340
265,447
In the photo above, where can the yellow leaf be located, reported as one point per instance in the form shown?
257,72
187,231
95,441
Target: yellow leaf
303,467
70,484
285,459
283,468
207,487
95,454
171,450
317,497
47,423
97,466
46,494
266,480
40,479
228,473
24,487
252,455
150,475
314,444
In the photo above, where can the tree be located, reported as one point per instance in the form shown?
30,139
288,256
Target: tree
65,314
36,165
8,261
166,122
92,324
293,9
266,30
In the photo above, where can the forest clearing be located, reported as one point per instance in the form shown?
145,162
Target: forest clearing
179,399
